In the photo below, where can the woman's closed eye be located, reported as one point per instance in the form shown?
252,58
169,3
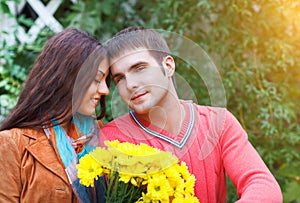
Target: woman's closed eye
99,77
96,80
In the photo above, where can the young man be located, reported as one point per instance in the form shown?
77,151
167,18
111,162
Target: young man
208,139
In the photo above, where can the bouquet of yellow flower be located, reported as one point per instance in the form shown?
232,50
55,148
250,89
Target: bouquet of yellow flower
137,173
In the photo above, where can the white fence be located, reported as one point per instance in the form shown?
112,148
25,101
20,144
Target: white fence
10,30
45,17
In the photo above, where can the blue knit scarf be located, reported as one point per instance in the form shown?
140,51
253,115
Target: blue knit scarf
65,146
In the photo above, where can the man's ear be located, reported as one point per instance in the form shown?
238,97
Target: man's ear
169,65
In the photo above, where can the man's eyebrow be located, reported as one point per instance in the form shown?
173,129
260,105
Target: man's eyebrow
139,63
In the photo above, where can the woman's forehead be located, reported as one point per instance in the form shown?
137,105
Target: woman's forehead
103,67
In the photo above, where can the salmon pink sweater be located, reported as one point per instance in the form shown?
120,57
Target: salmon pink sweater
213,144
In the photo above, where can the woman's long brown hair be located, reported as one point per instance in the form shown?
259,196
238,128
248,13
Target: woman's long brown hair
49,88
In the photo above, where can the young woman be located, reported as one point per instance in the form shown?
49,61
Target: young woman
54,122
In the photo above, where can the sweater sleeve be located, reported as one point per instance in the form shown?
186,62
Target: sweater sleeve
10,184
244,166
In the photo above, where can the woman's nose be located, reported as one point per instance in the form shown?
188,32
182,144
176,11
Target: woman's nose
102,88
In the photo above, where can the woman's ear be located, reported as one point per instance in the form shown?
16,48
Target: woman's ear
169,65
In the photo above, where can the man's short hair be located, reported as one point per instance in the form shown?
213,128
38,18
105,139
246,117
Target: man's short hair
132,38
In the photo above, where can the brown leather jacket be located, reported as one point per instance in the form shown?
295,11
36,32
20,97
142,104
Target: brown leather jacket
30,170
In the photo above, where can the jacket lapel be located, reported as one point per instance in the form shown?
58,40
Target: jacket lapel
43,152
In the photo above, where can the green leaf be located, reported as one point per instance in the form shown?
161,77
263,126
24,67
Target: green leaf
4,8
292,193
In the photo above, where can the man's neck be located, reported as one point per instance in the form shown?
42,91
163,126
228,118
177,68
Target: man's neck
169,118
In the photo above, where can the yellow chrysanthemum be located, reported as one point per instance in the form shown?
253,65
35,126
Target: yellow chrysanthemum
183,169
88,170
157,172
125,178
136,181
138,160
190,184
131,149
174,176
158,188
180,189
103,156
188,199
144,199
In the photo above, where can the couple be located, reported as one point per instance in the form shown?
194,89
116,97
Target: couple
43,139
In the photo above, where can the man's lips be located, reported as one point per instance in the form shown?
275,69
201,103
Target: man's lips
136,96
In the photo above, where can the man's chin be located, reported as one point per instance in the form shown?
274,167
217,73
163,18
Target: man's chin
141,110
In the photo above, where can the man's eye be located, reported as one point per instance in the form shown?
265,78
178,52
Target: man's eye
118,79
140,68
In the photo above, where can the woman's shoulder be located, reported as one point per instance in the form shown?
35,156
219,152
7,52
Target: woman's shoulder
20,136
11,133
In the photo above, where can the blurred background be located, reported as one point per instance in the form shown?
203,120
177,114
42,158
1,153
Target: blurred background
255,45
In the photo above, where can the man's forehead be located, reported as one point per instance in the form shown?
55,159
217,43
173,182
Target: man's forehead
128,54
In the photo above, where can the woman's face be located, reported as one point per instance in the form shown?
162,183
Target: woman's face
97,89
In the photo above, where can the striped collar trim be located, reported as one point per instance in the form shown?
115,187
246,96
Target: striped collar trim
167,139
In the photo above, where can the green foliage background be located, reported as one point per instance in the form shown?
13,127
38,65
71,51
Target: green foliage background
255,45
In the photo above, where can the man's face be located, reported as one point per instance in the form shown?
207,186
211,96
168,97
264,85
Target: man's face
140,80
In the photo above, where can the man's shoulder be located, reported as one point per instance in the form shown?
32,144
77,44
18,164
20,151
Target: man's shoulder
203,109
209,114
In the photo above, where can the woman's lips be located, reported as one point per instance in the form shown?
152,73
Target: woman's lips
96,101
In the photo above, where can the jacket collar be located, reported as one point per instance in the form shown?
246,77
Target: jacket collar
41,149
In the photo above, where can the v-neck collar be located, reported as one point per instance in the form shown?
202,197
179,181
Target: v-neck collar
179,140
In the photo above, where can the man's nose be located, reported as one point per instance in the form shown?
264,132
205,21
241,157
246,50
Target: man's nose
131,82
